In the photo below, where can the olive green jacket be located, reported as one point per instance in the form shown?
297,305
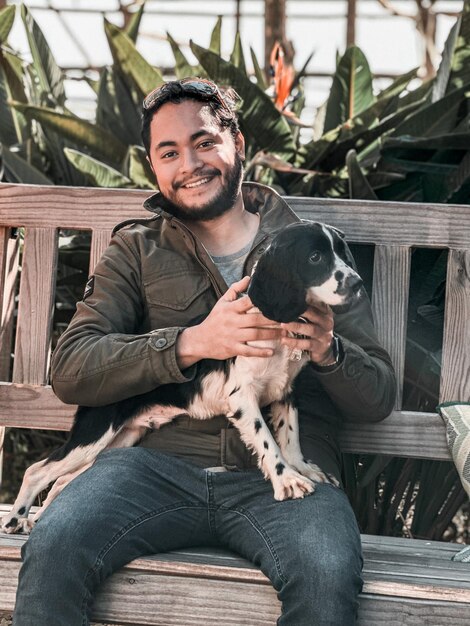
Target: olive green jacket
154,280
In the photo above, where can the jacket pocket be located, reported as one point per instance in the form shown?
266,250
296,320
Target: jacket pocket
177,298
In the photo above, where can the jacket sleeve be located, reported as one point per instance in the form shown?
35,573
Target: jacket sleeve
363,386
101,358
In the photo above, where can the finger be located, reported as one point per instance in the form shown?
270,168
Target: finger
244,350
257,334
236,289
299,328
322,320
252,320
311,345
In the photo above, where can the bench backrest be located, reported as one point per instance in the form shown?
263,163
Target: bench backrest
394,229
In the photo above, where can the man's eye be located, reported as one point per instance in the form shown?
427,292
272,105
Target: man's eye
315,257
168,155
206,144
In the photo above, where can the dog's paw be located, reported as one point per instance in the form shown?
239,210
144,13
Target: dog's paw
12,524
289,484
312,471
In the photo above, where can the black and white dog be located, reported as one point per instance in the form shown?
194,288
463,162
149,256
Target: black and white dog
306,263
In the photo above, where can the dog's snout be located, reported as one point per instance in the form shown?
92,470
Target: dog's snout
355,283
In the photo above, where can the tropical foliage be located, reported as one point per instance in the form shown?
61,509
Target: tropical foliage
409,142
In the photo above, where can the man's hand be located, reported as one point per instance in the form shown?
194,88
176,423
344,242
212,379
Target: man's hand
226,330
319,333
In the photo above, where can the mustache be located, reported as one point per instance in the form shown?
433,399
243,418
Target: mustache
213,171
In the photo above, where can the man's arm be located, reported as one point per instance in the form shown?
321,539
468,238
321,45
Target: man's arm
101,358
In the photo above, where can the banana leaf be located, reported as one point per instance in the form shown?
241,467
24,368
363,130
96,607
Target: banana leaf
48,72
130,61
99,173
80,132
128,111
460,65
436,118
17,170
456,141
359,187
441,80
259,74
183,67
261,120
214,45
237,57
132,29
13,126
351,92
139,169
397,86
7,18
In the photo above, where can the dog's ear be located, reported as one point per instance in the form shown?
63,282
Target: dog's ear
336,230
275,289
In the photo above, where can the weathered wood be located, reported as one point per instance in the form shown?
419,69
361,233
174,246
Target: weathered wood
407,434
33,406
390,305
455,374
99,243
36,301
397,223
173,588
9,257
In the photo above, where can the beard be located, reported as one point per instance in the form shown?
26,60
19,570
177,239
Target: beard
222,202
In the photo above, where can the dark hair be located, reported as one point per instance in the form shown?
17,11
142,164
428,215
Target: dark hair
222,103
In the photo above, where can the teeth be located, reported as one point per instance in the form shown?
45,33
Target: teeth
203,181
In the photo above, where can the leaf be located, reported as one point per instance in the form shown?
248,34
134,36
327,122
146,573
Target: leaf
20,171
261,120
139,169
399,84
7,18
132,29
450,141
460,65
48,72
359,187
237,57
441,79
13,127
260,79
435,118
100,174
351,91
130,61
214,45
80,132
183,67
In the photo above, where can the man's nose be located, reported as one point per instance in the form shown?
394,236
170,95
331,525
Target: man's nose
191,161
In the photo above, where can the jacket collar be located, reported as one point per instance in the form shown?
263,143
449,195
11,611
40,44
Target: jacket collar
274,211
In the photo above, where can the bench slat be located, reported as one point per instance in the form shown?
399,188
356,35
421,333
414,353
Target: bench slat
99,243
403,433
455,375
35,306
390,305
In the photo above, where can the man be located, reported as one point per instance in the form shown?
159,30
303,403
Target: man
137,328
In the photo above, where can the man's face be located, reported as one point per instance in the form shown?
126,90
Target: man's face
198,165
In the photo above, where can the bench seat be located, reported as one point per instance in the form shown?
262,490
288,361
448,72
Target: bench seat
407,581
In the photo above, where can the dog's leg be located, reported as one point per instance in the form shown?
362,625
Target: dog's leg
284,419
56,488
247,418
41,474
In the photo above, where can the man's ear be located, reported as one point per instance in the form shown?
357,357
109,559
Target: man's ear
240,145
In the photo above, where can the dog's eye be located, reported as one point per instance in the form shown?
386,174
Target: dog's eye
315,257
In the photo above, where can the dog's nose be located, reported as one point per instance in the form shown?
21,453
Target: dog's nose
355,283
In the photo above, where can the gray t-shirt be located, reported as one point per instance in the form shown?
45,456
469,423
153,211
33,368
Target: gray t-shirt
231,266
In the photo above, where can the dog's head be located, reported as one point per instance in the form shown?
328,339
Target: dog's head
307,262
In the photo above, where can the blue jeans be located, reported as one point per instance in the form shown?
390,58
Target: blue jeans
138,501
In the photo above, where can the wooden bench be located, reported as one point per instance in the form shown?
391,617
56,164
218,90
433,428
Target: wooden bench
406,581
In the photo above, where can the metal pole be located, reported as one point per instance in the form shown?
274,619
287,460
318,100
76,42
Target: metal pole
238,13
274,26
351,24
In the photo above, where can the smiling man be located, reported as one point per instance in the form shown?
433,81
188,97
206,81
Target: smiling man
139,326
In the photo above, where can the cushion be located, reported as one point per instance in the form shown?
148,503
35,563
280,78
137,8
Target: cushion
456,416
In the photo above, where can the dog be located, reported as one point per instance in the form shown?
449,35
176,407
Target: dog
306,263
